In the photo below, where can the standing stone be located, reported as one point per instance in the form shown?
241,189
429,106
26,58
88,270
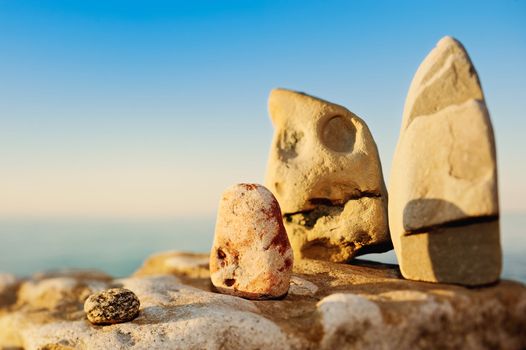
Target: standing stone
325,172
443,208
112,306
251,256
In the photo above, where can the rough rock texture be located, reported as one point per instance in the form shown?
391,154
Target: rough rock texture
443,207
325,172
251,256
115,305
46,297
329,306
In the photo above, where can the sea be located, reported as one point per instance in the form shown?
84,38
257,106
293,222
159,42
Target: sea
119,247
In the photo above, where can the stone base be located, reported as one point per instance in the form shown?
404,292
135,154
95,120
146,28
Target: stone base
328,306
338,233
469,255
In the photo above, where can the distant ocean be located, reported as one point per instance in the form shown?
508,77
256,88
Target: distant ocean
119,247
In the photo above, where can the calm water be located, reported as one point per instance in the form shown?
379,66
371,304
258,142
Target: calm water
120,247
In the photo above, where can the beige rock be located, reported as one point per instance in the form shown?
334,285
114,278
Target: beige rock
339,306
251,255
325,172
176,263
57,292
47,297
300,286
173,316
444,174
461,254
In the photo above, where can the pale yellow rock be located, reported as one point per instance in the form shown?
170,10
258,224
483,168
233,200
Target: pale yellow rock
444,174
57,292
325,172
176,263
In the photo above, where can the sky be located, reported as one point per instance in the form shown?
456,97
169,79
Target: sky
126,109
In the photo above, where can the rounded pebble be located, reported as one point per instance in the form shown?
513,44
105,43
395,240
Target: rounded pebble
251,256
111,306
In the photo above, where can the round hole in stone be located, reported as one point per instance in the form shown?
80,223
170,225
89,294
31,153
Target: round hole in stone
229,282
338,133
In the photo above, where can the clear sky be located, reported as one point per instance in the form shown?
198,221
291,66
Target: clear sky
150,109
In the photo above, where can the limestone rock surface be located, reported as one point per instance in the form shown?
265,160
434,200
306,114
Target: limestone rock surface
115,305
251,256
443,207
365,306
325,172
177,263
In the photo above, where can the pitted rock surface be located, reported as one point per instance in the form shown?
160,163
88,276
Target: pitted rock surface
251,256
115,305
332,306
325,171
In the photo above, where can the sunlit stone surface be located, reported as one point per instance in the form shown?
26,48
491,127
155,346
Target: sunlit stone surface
325,172
443,198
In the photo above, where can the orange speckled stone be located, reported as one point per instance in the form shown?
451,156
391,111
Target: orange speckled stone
251,256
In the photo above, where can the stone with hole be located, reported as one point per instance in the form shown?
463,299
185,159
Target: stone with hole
325,172
443,208
251,256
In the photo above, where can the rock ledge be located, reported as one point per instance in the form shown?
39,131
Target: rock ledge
329,306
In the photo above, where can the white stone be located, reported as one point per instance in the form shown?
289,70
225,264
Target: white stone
352,315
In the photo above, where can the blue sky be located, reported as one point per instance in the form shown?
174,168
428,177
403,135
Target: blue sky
151,109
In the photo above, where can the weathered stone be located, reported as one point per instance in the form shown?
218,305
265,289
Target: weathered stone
176,263
366,306
300,286
325,172
115,305
353,316
57,292
251,256
443,208
48,297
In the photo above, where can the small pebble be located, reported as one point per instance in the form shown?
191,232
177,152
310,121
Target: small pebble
111,306
251,256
